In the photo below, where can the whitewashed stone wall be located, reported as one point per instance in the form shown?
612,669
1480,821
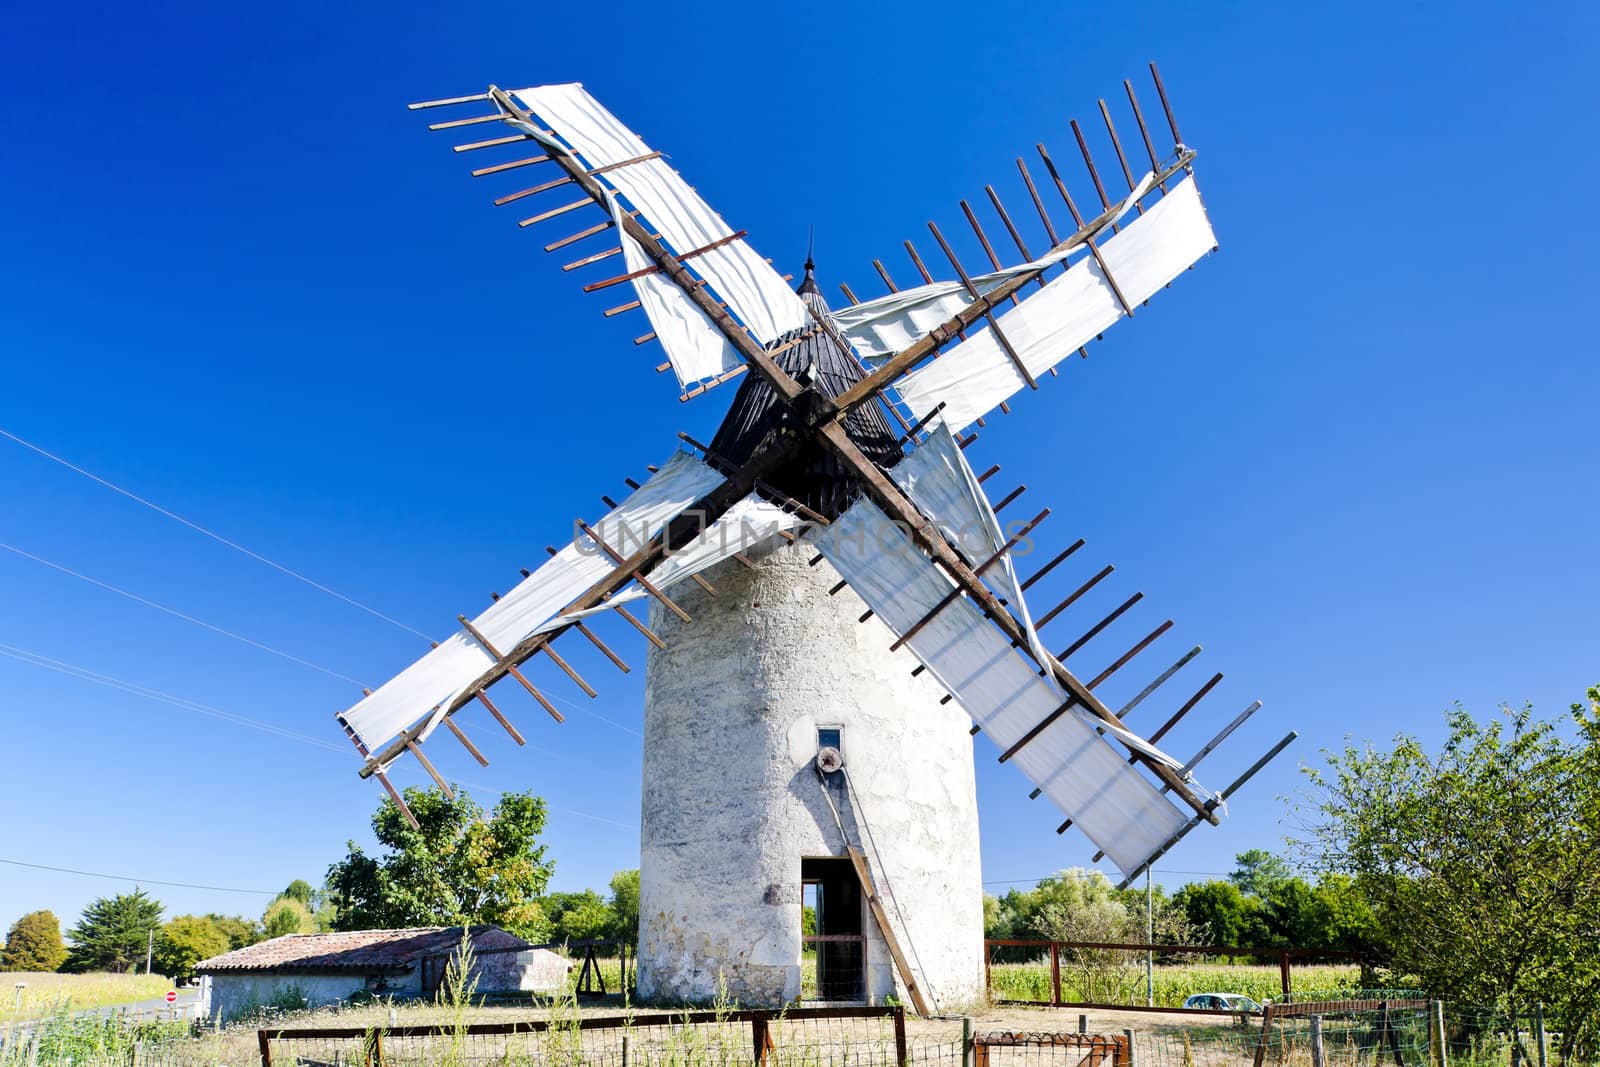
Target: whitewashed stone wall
236,994
731,800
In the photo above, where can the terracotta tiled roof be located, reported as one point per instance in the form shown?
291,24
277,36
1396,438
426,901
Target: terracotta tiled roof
363,951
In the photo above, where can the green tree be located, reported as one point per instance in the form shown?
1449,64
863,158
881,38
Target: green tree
462,866
1347,917
185,941
625,905
239,930
1481,861
1256,871
1220,914
287,915
580,916
34,943
114,933
300,890
1292,915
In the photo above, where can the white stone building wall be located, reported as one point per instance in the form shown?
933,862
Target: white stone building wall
239,993
731,801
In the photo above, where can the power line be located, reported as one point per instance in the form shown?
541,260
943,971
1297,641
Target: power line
291,657
180,615
140,881
83,673
253,555
109,682
296,575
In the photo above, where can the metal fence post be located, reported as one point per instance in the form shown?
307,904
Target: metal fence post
758,1039
1055,975
624,1050
1132,1057
901,1053
1316,1042
1083,1024
1538,1033
966,1041
1438,1050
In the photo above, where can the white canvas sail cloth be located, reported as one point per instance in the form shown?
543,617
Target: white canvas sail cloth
940,482
880,328
439,676
1052,323
742,528
1119,809
755,293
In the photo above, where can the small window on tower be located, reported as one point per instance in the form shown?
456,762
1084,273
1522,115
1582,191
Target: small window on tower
828,737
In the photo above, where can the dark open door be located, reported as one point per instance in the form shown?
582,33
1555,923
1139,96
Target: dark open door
832,894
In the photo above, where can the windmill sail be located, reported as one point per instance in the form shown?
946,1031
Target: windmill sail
753,290
806,429
441,674
880,328
974,376
939,481
1090,781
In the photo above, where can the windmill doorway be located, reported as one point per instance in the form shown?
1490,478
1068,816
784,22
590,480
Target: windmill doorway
833,945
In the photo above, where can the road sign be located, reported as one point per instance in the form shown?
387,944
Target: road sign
172,996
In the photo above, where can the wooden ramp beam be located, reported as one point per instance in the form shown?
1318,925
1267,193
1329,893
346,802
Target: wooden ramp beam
901,964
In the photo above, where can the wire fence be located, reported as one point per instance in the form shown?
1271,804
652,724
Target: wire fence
816,1037
1340,1033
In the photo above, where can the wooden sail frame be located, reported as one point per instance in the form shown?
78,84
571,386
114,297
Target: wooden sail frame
819,418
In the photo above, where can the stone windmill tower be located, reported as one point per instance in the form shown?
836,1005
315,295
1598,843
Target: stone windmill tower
835,605
740,825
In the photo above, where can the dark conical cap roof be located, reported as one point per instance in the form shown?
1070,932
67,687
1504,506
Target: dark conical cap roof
814,476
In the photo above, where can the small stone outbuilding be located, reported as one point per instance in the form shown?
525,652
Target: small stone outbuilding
326,969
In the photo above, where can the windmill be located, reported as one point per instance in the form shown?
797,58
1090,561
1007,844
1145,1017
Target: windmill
834,605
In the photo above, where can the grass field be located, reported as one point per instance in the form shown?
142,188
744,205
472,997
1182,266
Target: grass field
1172,982
45,992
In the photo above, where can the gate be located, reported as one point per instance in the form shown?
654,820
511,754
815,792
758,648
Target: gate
1069,1050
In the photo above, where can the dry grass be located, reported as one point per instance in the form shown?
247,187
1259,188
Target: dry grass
46,992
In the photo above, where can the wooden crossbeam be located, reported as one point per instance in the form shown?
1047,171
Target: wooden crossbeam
383,779
516,736
988,313
466,742
1061,557
923,347
532,689
815,412
950,597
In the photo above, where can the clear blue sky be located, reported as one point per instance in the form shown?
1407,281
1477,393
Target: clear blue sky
1353,454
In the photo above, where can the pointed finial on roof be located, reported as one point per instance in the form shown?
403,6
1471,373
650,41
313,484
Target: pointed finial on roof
808,284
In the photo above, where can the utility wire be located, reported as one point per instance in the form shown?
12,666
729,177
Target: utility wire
140,881
291,657
109,682
72,670
253,555
180,615
214,536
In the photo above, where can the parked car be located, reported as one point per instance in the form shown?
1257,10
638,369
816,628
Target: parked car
1223,1002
